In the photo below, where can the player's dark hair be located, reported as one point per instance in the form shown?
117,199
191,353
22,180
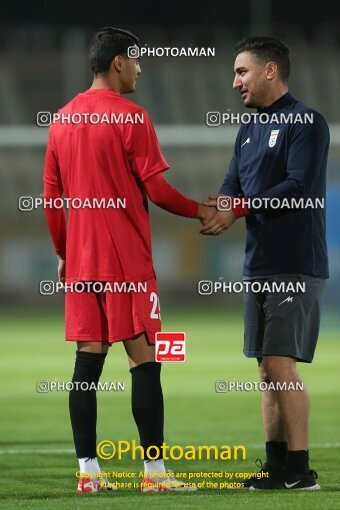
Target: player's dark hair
267,49
107,43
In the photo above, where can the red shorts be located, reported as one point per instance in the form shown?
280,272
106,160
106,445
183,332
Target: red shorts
112,315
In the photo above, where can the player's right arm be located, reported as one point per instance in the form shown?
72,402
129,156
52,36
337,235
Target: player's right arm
165,196
148,164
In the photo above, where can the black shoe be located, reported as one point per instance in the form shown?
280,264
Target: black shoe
285,479
267,478
302,482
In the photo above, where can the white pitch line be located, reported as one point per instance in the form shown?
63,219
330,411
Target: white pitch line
19,451
316,445
53,451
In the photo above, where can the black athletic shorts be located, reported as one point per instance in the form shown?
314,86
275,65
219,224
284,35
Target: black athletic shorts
283,323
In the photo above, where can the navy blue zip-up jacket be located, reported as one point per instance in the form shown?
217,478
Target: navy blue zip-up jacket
290,163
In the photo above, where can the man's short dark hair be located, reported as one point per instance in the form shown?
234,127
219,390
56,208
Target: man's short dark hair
107,43
267,49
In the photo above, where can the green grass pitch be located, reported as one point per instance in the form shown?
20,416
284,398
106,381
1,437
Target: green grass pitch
34,424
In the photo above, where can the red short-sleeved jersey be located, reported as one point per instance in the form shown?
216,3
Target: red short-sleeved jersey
110,161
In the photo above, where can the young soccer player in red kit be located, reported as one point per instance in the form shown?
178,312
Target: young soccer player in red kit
91,159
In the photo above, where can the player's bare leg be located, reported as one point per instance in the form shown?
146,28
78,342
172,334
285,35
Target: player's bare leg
139,350
96,347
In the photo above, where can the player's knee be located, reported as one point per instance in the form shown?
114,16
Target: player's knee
88,367
93,347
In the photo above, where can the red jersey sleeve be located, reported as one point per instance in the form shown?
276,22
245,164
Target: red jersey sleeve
51,167
55,217
143,149
164,195
56,220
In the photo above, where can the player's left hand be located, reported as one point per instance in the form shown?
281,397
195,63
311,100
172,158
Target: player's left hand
219,223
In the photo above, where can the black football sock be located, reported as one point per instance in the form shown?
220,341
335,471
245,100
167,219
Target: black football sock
147,406
83,402
298,461
276,452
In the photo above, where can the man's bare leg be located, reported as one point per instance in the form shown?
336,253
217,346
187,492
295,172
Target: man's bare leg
273,425
285,415
293,406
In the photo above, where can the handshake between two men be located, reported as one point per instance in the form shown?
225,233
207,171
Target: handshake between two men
214,220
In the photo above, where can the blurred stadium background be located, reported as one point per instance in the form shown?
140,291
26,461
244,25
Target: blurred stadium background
44,64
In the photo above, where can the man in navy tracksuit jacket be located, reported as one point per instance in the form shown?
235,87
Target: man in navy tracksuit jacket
277,180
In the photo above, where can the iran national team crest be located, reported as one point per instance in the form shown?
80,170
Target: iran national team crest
273,137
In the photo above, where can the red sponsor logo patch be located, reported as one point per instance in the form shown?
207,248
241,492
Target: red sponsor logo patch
170,346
